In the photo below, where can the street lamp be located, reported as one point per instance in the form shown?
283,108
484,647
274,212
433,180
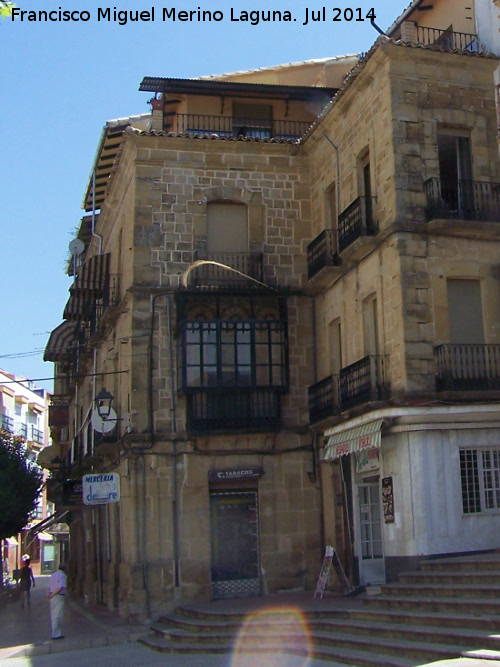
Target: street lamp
103,402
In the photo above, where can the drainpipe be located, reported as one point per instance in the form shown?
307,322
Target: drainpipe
99,248
379,30
99,238
175,523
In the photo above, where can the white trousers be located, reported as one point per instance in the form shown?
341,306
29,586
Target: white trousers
56,614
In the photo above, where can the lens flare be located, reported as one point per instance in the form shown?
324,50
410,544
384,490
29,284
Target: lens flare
271,637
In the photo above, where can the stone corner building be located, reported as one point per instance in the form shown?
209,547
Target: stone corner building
291,292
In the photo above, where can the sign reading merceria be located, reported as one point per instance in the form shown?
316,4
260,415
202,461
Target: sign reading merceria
101,489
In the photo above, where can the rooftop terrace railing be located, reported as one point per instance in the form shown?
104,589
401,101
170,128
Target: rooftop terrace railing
229,126
447,39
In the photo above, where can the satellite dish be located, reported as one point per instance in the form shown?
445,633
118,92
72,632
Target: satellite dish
104,425
76,247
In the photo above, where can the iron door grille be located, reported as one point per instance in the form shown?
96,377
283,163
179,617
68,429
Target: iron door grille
235,544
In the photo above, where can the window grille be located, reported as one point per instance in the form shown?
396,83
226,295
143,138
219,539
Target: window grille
480,479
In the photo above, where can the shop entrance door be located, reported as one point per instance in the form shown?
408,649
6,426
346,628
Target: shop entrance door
235,544
372,564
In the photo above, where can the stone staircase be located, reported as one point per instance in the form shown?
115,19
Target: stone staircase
447,609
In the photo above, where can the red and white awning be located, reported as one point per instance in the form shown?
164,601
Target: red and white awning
352,440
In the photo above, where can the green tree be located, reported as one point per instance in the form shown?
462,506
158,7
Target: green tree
20,485
5,9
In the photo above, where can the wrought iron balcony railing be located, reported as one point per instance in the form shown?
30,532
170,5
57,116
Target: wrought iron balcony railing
322,399
468,367
462,200
322,252
363,381
447,39
7,423
213,275
98,309
220,411
22,430
227,126
36,435
355,221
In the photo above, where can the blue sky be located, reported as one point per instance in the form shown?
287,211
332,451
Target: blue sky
60,82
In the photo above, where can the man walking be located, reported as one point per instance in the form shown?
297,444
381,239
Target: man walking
57,591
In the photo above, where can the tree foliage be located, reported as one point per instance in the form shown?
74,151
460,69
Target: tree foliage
5,9
20,485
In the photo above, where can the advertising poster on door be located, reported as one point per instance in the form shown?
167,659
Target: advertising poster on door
388,499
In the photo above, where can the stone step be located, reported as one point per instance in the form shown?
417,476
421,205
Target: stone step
351,657
462,564
451,605
452,578
488,623
436,590
326,631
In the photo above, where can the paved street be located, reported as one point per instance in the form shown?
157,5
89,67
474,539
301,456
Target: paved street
100,638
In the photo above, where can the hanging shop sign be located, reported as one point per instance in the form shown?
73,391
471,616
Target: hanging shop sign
101,489
72,492
367,460
234,474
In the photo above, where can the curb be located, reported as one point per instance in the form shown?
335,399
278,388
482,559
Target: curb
49,647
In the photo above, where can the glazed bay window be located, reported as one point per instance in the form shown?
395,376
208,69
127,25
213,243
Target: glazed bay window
233,353
480,477
233,372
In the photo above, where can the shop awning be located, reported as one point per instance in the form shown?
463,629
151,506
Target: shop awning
352,440
61,342
45,537
92,276
57,517
78,307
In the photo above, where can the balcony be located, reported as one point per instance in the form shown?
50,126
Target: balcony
322,401
446,39
321,253
227,126
101,308
36,435
468,367
362,382
210,411
7,424
21,430
215,276
462,200
356,221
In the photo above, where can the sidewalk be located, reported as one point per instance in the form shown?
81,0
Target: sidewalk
26,632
